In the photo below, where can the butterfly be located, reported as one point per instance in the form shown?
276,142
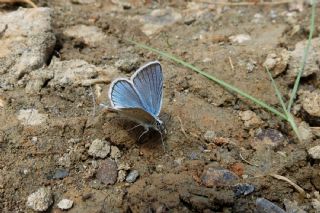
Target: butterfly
140,98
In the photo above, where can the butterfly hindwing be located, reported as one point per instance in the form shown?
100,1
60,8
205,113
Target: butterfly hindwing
148,82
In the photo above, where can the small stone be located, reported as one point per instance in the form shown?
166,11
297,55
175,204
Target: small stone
312,59
115,152
40,200
215,177
240,38
58,174
65,160
121,175
107,172
91,35
132,176
265,206
311,106
270,137
277,63
292,206
243,189
305,132
31,117
65,204
99,148
128,63
158,19
250,118
209,136
124,166
314,152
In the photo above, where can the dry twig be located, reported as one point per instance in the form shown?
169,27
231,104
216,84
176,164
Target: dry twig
298,188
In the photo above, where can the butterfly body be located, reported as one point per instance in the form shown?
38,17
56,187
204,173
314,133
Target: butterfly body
140,97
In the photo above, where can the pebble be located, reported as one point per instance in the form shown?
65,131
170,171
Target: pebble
26,44
91,35
209,136
99,148
40,200
31,117
121,175
115,152
243,189
107,172
65,204
132,176
58,174
297,54
314,152
128,63
265,206
241,38
277,63
214,177
158,19
311,106
292,206
305,131
250,118
271,137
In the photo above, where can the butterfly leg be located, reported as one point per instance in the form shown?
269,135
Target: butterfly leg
146,130
134,127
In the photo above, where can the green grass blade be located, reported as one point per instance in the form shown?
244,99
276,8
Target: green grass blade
220,82
305,54
277,91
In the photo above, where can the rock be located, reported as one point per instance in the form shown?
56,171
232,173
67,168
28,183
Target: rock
296,56
243,189
99,148
40,200
311,106
65,204
58,174
209,136
91,35
305,132
215,177
269,137
292,206
115,152
62,74
314,152
277,63
158,19
128,63
31,117
132,176
65,160
265,206
250,118
121,175
26,44
107,172
241,38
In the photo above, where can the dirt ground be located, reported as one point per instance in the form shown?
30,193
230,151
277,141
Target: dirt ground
206,129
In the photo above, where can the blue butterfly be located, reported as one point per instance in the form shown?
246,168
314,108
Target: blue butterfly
140,98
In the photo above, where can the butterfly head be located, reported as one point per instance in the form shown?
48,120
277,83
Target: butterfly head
159,126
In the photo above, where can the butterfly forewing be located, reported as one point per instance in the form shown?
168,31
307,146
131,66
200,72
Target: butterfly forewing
148,81
123,95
